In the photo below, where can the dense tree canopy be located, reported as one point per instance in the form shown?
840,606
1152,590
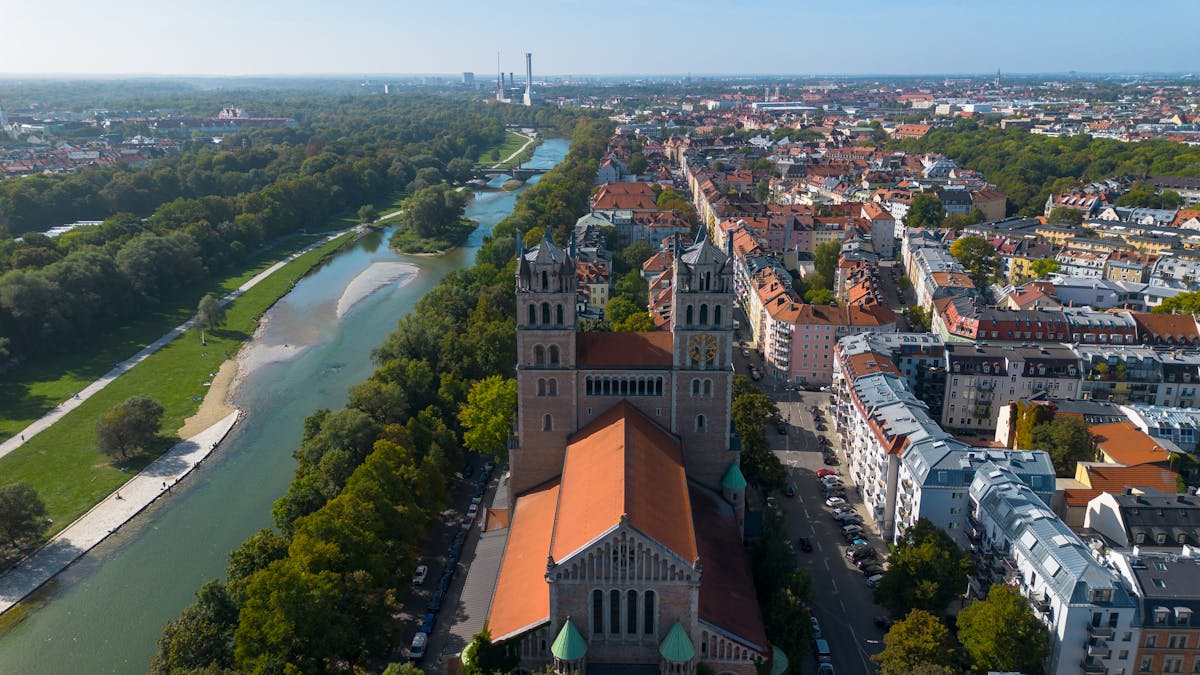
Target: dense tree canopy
130,427
1068,441
925,211
22,517
978,257
487,416
1002,634
927,570
917,644
1184,303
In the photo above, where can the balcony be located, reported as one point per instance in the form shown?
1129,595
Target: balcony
1101,632
974,534
1099,649
1092,666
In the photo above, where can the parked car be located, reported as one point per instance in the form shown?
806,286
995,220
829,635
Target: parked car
831,480
882,621
856,553
830,460
416,651
835,501
873,580
419,575
435,603
816,626
825,669
472,511
860,542
849,519
872,570
805,544
843,510
789,490
855,530
782,428
823,440
826,472
821,427
427,624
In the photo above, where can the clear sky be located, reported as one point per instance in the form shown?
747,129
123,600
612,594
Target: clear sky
360,37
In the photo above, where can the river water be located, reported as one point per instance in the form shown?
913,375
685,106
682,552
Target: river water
103,614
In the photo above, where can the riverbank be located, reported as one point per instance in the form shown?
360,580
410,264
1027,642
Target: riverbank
106,517
58,459
407,241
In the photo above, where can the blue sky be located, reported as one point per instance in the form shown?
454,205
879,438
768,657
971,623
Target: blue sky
357,37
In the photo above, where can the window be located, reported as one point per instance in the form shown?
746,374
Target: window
1177,642
532,314
547,423
539,355
614,611
546,313
1147,663
689,315
717,315
541,387
700,423
545,281
631,613
554,355
703,314
1172,664
597,611
648,613
552,387
558,315
695,387
1151,641
708,390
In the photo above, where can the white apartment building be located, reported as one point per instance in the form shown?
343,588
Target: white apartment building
1018,540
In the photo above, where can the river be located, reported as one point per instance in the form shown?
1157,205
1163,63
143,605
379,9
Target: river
103,614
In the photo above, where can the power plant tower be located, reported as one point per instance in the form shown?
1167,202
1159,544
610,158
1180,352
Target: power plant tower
528,79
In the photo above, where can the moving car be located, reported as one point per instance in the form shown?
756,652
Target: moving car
420,574
835,501
805,545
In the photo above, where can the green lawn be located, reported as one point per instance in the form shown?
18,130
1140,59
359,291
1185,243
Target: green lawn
62,464
512,141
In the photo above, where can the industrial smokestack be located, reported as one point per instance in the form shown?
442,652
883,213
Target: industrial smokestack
528,79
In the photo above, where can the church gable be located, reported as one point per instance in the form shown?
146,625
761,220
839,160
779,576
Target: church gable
624,555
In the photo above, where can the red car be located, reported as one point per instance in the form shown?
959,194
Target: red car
826,472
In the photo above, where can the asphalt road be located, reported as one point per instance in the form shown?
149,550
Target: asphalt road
842,602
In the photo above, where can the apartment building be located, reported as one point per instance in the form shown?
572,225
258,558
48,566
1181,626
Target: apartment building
1166,586
982,379
1019,541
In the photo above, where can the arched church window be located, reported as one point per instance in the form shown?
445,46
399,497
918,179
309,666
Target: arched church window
539,355
631,613
558,315
695,387
700,423
541,387
689,315
552,387
648,612
554,355
708,389
703,314
717,315
545,281
547,423
614,611
546,313
597,611
532,314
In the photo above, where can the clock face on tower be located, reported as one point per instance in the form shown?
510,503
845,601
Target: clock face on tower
702,348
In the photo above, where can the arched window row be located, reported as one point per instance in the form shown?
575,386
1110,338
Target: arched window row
689,315
639,613
702,387
543,356
717,648
546,310
547,386
623,385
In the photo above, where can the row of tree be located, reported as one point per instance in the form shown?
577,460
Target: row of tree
1029,167
318,593
927,571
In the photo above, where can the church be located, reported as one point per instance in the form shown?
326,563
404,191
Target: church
626,501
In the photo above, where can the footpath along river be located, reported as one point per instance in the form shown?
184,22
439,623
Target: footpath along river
103,614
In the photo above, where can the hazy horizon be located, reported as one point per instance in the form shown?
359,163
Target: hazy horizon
375,38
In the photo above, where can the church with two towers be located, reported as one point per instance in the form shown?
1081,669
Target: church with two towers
626,501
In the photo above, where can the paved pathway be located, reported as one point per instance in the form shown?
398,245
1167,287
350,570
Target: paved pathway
519,150
57,412
104,518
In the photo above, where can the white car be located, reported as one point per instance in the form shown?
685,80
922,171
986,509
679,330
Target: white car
816,627
835,501
472,510
419,575
417,651
872,582
828,481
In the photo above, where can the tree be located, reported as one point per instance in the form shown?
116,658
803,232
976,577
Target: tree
210,315
202,637
1144,194
487,416
1184,303
918,319
367,213
619,308
638,322
927,571
637,164
1001,633
925,211
483,657
819,296
129,427
1044,267
634,255
1066,215
434,210
751,412
978,257
958,221
917,644
22,516
825,260
762,191
1068,441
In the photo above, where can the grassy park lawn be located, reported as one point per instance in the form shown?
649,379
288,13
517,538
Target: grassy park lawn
512,142
62,464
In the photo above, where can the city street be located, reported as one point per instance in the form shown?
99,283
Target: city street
842,602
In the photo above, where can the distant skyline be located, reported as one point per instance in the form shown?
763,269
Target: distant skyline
574,37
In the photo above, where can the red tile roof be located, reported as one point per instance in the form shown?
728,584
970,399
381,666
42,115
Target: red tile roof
623,466
1125,444
522,597
624,350
727,599
1114,479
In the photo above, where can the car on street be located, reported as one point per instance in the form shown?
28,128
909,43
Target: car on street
816,626
873,581
435,603
805,544
835,501
872,570
789,490
825,669
830,460
843,510
821,427
472,511
825,388
428,623
849,519
860,542
823,440
882,621
856,553
855,530
416,651
826,472
828,481
782,428
420,574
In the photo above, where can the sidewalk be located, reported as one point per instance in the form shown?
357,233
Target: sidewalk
57,412
114,511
